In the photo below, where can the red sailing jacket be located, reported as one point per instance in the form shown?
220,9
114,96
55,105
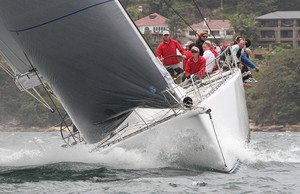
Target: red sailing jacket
197,68
188,55
164,50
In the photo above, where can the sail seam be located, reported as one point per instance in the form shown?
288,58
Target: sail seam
59,18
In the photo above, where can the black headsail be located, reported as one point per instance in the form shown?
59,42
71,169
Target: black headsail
91,55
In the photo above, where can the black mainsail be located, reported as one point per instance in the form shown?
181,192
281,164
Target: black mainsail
92,56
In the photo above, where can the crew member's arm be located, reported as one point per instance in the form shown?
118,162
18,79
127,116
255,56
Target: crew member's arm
246,61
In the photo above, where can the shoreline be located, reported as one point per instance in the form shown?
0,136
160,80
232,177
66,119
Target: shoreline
10,128
275,128
254,128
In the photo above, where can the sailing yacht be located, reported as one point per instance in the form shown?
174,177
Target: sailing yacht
114,89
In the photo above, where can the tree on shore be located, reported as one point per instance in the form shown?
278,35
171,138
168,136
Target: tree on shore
275,99
21,109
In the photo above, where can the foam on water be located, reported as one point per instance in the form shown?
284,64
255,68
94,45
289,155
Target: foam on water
39,151
283,148
269,165
42,150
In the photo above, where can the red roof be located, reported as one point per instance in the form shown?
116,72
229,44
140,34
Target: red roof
152,20
213,24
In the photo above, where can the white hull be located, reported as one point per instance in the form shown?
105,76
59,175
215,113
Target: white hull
192,138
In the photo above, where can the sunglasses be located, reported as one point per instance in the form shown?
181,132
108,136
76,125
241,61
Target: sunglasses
194,52
166,35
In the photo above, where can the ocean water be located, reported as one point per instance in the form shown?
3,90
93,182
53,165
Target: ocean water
35,162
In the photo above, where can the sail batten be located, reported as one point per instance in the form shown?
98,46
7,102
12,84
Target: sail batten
55,19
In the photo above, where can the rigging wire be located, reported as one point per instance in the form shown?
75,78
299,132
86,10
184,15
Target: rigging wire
34,69
6,69
47,92
186,23
7,48
216,41
212,123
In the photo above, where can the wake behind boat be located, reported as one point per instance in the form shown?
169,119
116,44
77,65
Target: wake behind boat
115,90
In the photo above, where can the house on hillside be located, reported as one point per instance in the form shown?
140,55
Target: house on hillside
279,27
153,23
218,30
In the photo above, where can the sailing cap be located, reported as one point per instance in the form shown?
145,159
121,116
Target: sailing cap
166,33
194,48
208,42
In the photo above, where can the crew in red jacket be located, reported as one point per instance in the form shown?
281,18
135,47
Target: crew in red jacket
195,64
166,52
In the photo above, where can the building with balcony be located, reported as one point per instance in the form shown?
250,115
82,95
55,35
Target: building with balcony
155,24
279,27
218,30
